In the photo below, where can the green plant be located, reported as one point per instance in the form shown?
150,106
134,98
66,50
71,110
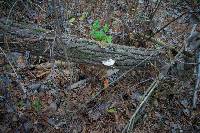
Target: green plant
20,104
37,104
100,33
112,110
38,30
71,20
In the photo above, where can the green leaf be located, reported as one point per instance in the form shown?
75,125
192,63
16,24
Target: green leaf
98,35
83,16
106,28
94,33
37,104
96,25
112,110
20,104
108,39
72,20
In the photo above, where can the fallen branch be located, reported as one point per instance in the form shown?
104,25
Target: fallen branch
34,39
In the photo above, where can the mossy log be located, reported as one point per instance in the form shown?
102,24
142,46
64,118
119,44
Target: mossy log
37,40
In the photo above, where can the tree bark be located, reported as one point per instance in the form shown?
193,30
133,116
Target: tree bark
37,40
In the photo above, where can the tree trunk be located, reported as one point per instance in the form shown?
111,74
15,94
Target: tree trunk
37,40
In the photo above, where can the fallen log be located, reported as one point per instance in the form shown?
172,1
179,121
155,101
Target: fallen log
37,40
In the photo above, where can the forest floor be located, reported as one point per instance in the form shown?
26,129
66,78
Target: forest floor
50,105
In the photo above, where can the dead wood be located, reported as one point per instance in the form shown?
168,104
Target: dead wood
38,41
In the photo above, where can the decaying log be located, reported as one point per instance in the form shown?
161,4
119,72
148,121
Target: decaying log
37,40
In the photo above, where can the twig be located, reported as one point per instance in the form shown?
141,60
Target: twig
52,60
59,40
197,86
154,40
146,97
195,42
149,92
11,11
143,81
5,39
167,25
158,3
14,70
31,2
